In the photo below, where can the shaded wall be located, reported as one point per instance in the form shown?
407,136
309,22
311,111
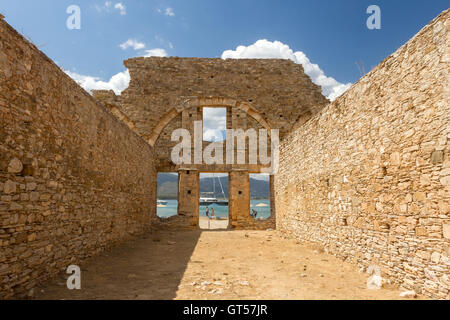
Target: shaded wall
368,178
73,179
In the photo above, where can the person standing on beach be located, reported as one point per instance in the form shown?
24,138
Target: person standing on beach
207,212
212,213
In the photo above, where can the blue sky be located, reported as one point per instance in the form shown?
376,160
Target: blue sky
328,35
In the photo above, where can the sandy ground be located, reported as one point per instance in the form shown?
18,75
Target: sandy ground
212,224
215,265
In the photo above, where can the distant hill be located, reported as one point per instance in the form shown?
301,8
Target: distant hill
167,177
168,187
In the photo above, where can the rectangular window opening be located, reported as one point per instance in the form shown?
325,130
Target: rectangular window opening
167,200
260,196
214,124
213,201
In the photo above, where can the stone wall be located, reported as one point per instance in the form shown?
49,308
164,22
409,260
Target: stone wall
170,93
368,178
189,195
278,89
73,179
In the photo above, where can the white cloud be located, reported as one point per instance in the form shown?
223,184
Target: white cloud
214,124
132,43
264,49
169,12
108,5
260,176
117,83
119,6
157,52
213,135
215,118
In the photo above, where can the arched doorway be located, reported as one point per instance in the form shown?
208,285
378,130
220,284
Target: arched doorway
238,116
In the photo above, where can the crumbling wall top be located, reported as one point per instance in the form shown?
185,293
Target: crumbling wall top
278,89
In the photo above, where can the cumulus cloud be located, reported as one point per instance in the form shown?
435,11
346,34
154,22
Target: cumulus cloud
132,43
137,45
117,83
264,49
169,12
214,124
213,135
109,5
120,6
157,52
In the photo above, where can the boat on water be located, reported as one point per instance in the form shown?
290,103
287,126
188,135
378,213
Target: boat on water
161,202
205,202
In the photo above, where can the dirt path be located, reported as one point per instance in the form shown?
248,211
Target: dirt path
216,265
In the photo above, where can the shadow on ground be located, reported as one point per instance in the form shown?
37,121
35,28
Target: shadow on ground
148,268
224,265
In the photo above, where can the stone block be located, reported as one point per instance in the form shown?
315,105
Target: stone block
15,166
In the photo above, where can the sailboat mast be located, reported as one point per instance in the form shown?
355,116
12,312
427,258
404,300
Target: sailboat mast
214,185
223,192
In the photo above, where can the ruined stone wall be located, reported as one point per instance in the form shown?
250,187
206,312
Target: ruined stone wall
164,145
73,179
170,93
278,89
368,178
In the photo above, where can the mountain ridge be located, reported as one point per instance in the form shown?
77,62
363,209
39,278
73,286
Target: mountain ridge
168,187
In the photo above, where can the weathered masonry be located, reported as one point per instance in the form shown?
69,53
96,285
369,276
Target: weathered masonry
366,177
170,93
73,179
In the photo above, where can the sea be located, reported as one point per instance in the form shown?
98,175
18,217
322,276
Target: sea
220,211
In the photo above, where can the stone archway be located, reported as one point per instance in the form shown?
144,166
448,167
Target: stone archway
189,175
166,94
205,102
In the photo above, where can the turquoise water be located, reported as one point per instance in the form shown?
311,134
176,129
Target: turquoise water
220,211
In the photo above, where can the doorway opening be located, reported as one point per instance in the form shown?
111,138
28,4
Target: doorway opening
167,195
213,202
260,196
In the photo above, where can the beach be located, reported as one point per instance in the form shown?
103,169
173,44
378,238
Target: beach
213,224
262,207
